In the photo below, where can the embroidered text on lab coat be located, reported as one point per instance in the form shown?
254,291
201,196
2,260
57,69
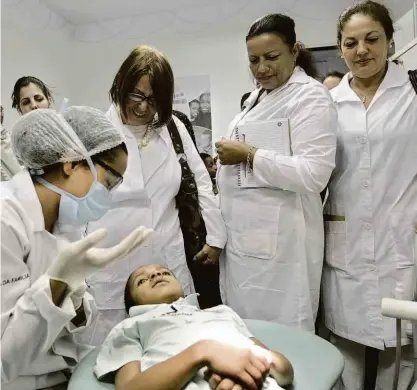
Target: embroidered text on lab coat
13,280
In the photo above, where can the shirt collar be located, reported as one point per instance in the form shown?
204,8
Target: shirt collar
190,300
395,77
298,76
28,198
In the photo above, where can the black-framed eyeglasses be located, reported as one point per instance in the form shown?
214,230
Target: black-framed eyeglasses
114,178
139,98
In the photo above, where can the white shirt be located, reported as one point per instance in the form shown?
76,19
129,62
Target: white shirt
37,337
374,187
155,333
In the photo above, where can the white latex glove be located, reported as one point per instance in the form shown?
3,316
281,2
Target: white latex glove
77,261
78,295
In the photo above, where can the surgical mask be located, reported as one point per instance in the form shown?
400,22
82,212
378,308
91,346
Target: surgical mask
79,211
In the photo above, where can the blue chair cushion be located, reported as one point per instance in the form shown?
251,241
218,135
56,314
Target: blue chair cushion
317,364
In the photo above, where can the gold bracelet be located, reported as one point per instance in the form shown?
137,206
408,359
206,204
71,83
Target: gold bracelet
252,151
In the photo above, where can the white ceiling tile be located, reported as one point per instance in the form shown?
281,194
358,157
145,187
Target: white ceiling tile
314,9
97,20
205,14
9,3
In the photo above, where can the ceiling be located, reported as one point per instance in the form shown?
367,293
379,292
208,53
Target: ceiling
97,20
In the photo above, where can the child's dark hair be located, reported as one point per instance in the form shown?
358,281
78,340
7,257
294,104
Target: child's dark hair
284,27
194,101
128,296
334,73
24,82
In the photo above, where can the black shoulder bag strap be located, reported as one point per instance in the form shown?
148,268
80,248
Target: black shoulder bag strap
206,278
413,78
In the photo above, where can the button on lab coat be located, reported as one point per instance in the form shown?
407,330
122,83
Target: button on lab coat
374,186
151,202
272,263
37,337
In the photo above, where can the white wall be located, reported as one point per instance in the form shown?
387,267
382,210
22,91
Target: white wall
225,62
27,49
83,72
219,54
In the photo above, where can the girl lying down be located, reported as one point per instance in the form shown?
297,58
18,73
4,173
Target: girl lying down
169,343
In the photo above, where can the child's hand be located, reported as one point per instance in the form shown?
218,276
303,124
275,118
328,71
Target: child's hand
236,363
217,382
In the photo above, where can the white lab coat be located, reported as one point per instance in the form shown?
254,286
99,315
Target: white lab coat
271,267
37,337
374,187
151,203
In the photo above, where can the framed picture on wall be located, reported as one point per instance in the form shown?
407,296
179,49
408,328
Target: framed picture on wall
328,59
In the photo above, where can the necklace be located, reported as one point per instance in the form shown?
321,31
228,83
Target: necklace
146,137
363,98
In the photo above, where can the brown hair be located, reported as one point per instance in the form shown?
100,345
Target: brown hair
145,61
376,11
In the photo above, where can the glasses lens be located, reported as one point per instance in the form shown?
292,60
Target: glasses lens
113,178
114,183
136,98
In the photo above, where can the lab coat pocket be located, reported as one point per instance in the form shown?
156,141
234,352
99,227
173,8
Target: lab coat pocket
255,230
335,244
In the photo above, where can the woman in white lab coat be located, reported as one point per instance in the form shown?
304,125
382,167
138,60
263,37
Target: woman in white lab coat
44,306
273,260
30,93
142,96
371,212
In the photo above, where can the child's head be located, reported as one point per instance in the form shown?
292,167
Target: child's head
152,284
194,108
205,102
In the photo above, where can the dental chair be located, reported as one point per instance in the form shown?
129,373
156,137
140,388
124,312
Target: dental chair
404,310
317,363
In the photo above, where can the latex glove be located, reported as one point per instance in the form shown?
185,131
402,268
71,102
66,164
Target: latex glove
78,295
209,255
77,261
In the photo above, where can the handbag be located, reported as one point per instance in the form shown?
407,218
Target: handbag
206,278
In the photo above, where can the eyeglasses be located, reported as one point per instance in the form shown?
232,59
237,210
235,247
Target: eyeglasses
139,98
113,178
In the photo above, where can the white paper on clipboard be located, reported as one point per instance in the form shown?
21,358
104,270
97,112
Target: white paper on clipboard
273,135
